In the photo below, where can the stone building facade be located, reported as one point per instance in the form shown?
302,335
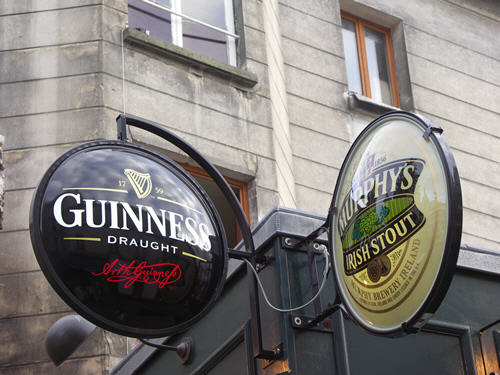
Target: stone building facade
280,120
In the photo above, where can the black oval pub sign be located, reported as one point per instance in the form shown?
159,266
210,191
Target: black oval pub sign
128,239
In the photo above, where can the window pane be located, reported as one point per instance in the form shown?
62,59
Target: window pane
202,39
141,15
378,68
205,41
351,56
211,12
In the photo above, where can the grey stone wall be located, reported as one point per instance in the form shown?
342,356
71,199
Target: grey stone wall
2,180
316,82
50,99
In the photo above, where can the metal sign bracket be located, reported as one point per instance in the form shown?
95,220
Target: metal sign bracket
122,121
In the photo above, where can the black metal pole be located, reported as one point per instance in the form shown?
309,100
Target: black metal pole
122,120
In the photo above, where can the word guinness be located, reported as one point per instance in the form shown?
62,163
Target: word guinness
121,216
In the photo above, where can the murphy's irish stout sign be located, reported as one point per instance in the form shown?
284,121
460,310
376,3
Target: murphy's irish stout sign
128,239
396,224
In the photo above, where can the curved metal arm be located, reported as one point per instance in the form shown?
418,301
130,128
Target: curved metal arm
122,121
160,131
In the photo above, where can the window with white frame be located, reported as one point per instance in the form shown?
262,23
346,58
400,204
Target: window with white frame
202,26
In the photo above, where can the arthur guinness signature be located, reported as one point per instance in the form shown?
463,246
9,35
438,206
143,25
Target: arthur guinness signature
162,273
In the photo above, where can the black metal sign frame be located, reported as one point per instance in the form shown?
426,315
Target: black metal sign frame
453,232
55,278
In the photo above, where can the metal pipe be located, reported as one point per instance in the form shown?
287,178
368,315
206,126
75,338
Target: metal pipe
228,193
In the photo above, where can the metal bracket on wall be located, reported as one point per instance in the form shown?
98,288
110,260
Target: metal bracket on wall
311,248
261,259
308,322
302,244
312,245
320,321
268,362
431,129
122,121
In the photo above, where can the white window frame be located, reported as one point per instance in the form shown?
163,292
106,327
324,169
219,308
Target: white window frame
178,16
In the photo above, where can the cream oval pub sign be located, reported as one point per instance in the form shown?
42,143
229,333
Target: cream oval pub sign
396,223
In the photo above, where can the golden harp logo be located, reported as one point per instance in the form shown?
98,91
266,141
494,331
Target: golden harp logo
141,182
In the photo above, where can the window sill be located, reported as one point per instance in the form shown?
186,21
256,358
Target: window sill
239,76
359,102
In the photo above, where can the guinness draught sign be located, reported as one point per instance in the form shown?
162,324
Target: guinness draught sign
128,239
396,224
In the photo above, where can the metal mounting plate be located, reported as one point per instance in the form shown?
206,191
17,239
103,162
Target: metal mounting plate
304,322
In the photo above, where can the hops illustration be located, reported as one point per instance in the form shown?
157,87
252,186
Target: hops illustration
368,223
382,214
356,231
